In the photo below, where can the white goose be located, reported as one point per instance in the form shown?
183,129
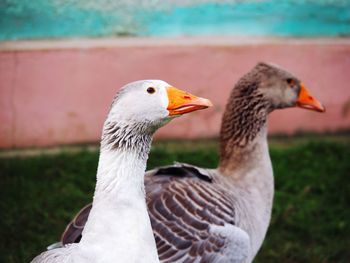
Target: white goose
221,215
118,228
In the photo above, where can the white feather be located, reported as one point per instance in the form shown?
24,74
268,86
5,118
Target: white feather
118,228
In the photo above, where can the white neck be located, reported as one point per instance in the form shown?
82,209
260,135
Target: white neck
118,171
118,228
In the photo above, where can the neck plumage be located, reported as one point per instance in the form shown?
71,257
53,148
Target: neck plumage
243,131
244,155
118,226
123,157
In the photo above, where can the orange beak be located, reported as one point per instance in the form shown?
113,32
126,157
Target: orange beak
306,101
181,102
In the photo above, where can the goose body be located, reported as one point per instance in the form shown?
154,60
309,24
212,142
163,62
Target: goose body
221,215
115,231
196,216
118,227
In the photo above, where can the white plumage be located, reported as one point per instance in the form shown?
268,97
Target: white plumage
118,228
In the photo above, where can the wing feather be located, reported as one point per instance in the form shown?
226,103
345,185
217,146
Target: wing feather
192,216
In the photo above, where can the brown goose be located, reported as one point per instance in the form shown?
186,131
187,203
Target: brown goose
221,215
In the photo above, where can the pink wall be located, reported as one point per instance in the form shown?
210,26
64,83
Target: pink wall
59,92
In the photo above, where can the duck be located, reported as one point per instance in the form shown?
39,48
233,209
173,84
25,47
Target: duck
222,214
118,227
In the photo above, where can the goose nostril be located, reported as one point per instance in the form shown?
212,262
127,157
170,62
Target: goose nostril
310,98
187,97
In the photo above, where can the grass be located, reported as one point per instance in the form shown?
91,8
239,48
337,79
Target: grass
310,223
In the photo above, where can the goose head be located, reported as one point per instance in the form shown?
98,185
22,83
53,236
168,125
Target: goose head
263,89
281,89
151,103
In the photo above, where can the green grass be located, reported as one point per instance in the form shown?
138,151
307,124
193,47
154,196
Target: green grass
311,215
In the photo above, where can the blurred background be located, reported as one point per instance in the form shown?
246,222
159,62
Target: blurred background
62,61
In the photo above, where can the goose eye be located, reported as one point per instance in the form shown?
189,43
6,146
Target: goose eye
151,90
291,82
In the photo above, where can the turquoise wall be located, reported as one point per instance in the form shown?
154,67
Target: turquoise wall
28,19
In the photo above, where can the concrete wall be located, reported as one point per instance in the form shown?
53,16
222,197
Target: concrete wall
59,92
44,19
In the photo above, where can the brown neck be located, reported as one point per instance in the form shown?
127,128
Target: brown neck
243,130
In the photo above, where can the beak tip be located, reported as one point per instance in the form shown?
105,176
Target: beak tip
207,103
305,100
320,108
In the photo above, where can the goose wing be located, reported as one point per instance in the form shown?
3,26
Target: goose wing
192,216
72,233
